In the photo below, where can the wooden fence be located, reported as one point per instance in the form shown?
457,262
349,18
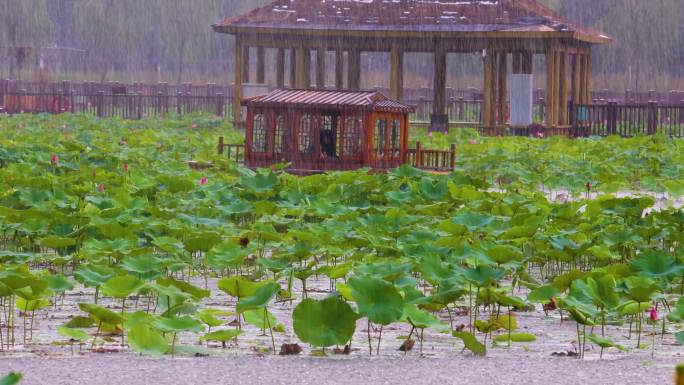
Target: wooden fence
127,106
135,101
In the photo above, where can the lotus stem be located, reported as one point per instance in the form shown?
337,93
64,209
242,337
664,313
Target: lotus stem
379,340
370,347
270,329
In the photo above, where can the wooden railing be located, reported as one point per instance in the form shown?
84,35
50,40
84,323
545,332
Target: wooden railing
234,152
437,160
127,106
628,119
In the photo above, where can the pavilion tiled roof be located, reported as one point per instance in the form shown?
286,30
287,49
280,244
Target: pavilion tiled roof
322,99
465,16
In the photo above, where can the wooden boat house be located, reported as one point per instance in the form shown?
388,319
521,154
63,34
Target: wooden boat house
319,130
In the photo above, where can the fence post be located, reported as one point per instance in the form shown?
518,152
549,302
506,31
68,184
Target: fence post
20,101
99,104
452,157
681,112
59,108
421,108
139,104
220,145
219,104
611,112
652,117
179,97
573,118
419,156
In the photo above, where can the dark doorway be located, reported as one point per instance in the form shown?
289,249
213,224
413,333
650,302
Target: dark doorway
329,130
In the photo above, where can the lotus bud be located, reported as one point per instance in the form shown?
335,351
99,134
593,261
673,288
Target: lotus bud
654,314
101,188
54,159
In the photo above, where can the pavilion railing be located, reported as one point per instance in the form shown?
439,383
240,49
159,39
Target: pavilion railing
427,159
234,152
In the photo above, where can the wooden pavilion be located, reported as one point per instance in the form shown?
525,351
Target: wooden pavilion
322,130
499,30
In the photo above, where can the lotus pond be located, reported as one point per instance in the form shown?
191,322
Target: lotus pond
111,243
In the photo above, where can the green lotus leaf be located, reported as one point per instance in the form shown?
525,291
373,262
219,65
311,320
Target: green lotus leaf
657,265
471,343
323,323
677,314
679,336
221,335
376,299
262,296
121,286
516,337
639,289
239,287
195,292
73,334
12,378
59,284
177,324
101,314
421,319
93,275
145,340
260,318
472,220
543,294
604,342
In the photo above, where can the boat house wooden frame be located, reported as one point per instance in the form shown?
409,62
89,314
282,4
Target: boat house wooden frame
319,130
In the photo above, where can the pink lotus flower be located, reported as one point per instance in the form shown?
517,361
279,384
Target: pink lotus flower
194,125
101,188
122,142
54,159
654,314
472,141
125,167
430,134
540,135
203,181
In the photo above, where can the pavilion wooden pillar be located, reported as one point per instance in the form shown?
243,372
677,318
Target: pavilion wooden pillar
280,68
527,63
237,86
551,89
576,78
245,63
339,69
501,88
586,82
306,68
354,67
563,88
261,65
488,89
300,68
293,68
439,120
397,73
320,68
